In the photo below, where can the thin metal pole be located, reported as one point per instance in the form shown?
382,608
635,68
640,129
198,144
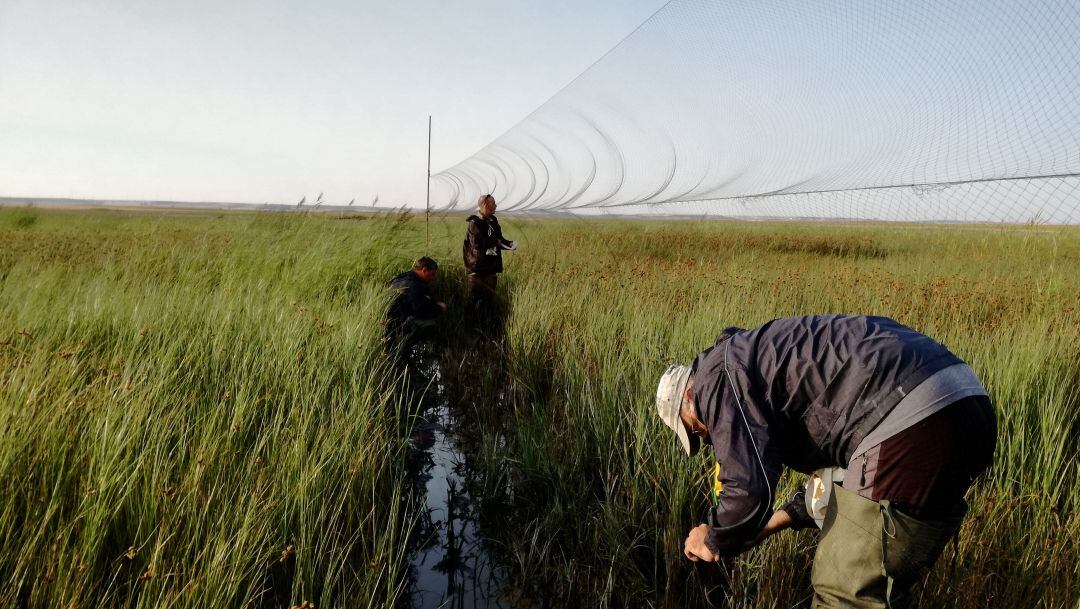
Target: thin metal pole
427,206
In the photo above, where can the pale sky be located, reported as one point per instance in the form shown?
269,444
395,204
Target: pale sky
268,101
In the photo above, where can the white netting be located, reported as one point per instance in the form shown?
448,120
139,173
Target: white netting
962,111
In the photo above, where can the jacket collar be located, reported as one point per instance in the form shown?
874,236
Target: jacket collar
711,384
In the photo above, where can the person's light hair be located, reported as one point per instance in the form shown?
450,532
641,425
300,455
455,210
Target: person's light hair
485,199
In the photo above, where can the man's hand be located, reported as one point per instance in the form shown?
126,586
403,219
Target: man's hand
695,548
442,306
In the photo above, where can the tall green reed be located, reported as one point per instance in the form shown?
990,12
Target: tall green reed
600,307
196,411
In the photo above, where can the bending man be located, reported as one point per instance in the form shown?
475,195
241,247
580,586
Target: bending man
908,421
412,312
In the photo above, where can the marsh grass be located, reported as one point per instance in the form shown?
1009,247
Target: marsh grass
601,501
195,410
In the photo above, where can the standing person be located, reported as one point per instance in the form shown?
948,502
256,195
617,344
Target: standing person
482,251
907,420
412,312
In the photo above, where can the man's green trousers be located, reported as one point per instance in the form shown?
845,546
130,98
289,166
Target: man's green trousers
871,555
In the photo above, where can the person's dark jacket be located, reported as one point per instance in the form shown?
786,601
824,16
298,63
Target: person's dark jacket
800,392
483,246
411,299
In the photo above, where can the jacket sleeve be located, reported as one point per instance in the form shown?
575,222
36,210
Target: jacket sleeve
745,481
796,509
503,241
497,239
421,304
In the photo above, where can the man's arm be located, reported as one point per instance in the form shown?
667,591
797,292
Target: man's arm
795,508
746,481
695,548
499,240
738,516
505,243
792,515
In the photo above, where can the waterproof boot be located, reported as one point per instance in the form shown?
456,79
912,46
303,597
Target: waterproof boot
871,555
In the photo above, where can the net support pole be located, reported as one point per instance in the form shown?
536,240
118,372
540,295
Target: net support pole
427,204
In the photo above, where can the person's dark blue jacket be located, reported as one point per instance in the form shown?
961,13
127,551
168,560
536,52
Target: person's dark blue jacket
800,392
411,299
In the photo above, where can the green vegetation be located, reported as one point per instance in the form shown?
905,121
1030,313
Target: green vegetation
194,409
193,413
603,500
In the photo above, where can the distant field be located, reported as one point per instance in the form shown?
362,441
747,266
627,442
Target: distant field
195,409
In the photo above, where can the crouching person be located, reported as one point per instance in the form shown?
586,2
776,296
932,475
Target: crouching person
906,420
412,313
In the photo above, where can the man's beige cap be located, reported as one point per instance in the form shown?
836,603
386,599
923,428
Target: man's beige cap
669,399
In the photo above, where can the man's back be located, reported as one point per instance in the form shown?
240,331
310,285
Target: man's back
824,381
410,298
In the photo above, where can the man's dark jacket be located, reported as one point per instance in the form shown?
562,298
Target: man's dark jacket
411,299
483,235
800,392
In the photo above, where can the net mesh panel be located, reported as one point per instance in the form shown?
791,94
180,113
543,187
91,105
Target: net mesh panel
944,111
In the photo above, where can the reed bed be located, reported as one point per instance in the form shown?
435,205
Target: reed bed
194,412
601,500
195,409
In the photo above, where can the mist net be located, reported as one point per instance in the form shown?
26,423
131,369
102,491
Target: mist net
923,110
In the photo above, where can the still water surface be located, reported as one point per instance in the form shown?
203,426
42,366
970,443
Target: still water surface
451,565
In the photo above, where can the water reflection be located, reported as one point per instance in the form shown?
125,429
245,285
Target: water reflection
450,566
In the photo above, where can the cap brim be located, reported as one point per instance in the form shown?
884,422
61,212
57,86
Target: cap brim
690,442
670,394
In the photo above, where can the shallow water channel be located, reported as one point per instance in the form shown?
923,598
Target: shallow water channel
451,565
